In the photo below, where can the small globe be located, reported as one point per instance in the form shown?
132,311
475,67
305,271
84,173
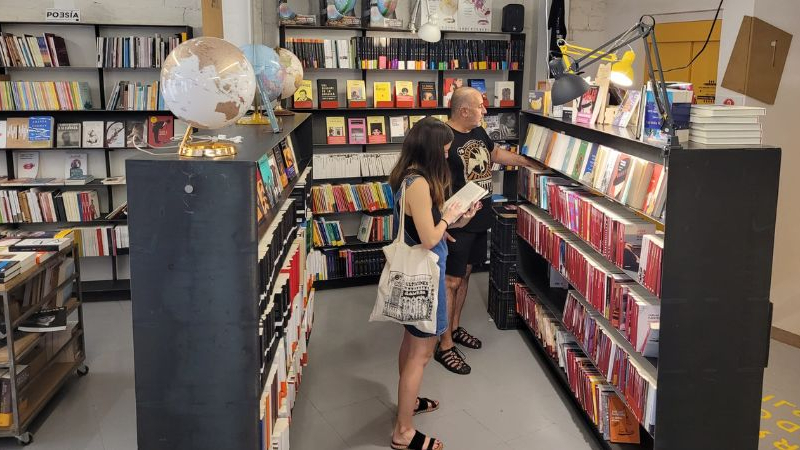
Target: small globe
387,7
267,66
344,6
293,72
207,82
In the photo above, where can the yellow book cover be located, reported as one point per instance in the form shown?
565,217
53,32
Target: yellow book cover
382,94
442,117
356,91
404,93
414,119
304,95
335,130
376,127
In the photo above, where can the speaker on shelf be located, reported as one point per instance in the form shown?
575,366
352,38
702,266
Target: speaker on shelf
513,18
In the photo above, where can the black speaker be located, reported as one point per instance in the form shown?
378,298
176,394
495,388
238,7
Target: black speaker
513,18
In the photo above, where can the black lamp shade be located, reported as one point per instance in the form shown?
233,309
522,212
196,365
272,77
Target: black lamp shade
568,87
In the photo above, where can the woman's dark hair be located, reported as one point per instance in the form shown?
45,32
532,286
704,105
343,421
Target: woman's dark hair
423,153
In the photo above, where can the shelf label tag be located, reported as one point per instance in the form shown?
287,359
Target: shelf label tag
62,15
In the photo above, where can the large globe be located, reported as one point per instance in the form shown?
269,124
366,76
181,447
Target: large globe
293,72
207,82
267,66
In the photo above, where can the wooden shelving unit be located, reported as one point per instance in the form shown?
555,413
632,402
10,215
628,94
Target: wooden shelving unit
47,371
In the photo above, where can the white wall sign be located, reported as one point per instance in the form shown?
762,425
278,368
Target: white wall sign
62,15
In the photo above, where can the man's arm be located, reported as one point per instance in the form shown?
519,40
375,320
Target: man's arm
507,158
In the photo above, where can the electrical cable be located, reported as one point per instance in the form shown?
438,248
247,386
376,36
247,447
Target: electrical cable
708,38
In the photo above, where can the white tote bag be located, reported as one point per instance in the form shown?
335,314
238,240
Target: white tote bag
408,291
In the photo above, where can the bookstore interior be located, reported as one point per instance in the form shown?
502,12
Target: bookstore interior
203,203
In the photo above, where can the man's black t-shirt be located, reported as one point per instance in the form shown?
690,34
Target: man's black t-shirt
470,159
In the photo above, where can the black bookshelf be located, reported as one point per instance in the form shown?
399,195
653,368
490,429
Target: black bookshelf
716,272
96,75
195,252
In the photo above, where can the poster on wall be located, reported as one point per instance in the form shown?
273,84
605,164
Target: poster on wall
447,12
475,15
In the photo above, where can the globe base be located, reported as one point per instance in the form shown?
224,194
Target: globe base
191,149
256,119
279,111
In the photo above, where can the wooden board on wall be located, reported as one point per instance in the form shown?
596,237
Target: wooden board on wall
212,18
678,43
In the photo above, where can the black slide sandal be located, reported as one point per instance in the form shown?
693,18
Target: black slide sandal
426,405
417,443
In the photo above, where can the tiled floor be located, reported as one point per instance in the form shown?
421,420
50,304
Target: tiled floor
349,388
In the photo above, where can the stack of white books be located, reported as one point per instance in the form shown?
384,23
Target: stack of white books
726,125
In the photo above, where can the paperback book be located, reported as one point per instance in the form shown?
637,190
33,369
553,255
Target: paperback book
428,97
382,94
404,94
68,135
504,94
356,94
398,127
335,130
377,130
135,133
115,134
357,130
304,96
480,85
159,130
93,134
328,93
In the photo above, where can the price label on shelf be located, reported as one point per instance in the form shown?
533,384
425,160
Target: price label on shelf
62,15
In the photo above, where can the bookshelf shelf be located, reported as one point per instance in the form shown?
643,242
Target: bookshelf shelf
352,241
711,254
408,110
99,286
336,213
390,30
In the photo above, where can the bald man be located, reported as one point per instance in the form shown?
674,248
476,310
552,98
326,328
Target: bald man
471,156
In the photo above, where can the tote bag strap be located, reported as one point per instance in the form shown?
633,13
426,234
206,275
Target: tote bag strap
401,232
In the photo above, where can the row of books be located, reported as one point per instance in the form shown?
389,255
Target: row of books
608,227
45,95
649,273
385,53
595,392
327,233
323,53
20,252
44,132
327,198
34,206
277,167
287,328
590,274
136,96
104,240
402,96
47,50
353,165
332,264
726,125
135,51
629,180
376,228
372,129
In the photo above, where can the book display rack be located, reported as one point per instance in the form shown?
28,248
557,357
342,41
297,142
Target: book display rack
42,361
36,52
705,330
230,297
332,105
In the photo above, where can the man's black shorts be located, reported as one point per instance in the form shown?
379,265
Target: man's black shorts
469,248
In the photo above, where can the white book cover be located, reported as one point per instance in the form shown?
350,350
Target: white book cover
76,165
2,134
28,164
467,195
93,134
722,111
503,91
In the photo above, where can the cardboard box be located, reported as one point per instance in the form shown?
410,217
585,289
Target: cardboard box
756,64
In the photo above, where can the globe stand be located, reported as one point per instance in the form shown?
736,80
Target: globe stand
256,119
279,111
204,149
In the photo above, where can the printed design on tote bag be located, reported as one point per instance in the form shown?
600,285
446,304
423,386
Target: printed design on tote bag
411,297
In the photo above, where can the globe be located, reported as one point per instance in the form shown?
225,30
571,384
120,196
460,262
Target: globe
293,72
267,66
344,6
207,82
387,7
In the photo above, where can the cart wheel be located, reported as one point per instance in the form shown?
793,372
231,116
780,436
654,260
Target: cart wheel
83,370
25,438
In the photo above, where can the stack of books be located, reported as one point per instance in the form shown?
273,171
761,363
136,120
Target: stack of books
726,125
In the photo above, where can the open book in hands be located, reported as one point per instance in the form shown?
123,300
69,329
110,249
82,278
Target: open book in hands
467,195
